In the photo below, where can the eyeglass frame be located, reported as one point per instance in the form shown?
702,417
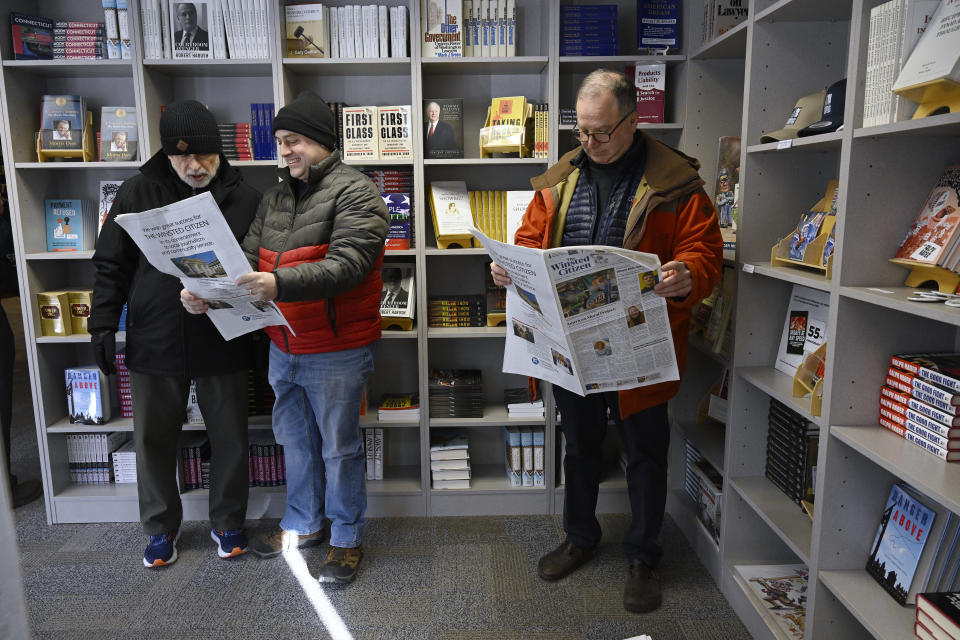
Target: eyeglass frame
578,133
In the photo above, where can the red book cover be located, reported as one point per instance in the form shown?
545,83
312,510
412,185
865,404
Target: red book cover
650,80
932,235
893,426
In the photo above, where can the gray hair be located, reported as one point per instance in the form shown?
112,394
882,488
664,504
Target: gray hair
615,82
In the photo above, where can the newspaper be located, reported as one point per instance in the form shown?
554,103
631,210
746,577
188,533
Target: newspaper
192,241
585,318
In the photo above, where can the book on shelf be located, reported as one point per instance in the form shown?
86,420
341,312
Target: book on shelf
441,29
31,36
398,299
307,30
398,31
89,456
539,453
71,225
941,609
651,83
361,138
658,26
373,446
448,443
399,407
108,192
725,15
710,498
124,461
728,179
443,128
513,452
451,484
589,30
81,301
123,28
112,28
526,456
496,301
917,383
780,593
450,208
452,474
193,414
792,447
805,327
88,399
932,238
61,121
189,26
395,132
118,134
936,55
516,208
940,368
398,208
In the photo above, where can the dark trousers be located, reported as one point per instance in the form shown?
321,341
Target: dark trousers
159,407
7,355
645,438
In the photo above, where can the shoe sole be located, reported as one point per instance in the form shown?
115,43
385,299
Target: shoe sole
159,563
642,608
236,551
333,580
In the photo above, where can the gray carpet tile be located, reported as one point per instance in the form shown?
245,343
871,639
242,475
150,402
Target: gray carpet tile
466,578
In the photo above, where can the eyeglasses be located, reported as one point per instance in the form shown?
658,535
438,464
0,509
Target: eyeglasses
600,137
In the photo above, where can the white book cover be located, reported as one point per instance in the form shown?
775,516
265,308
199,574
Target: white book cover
441,29
334,19
217,32
468,29
917,16
396,136
511,28
394,15
404,31
189,26
378,454
477,26
345,27
372,23
162,20
240,38
383,29
485,28
229,37
306,26
358,31
398,297
247,21
805,327
517,203
451,207
937,53
361,139
502,28
112,30
451,474
368,446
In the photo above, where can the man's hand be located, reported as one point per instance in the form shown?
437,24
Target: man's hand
675,280
260,284
192,303
500,277
104,343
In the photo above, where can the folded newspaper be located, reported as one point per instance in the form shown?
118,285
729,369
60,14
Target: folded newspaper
585,318
192,241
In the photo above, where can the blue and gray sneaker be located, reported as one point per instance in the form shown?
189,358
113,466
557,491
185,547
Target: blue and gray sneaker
162,550
230,543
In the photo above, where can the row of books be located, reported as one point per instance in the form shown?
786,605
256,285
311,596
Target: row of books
205,29
40,38
89,456
524,449
315,30
464,310
261,130
719,16
792,444
373,452
468,28
449,458
455,393
524,402
498,214
63,118
369,134
708,485
124,388
267,467
920,401
64,313
938,616
125,463
589,30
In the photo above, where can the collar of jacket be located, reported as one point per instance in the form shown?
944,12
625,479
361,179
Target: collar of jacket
159,169
317,171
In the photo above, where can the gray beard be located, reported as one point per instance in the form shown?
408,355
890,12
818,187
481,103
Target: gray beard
206,183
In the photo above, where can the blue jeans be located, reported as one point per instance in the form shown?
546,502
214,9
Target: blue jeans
316,418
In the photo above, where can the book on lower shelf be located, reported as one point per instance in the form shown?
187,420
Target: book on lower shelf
939,614
373,450
71,225
61,122
89,456
399,407
449,458
118,134
709,498
456,393
398,297
792,446
88,400
933,237
125,463
780,592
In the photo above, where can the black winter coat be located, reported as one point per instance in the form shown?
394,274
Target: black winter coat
162,338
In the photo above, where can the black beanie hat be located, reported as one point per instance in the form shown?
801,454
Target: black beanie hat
309,115
188,127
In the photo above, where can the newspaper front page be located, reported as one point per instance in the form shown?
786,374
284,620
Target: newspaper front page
585,318
192,241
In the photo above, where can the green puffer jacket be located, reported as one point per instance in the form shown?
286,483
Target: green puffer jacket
326,250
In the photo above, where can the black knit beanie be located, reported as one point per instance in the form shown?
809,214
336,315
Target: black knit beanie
188,127
310,116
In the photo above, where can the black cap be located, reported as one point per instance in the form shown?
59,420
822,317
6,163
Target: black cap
310,116
832,117
188,127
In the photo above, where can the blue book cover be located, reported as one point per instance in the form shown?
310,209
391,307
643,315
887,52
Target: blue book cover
398,208
905,525
589,10
118,134
66,230
658,25
255,129
61,121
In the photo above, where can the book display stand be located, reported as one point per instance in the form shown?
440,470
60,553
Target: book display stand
506,138
86,153
933,98
925,275
813,253
808,380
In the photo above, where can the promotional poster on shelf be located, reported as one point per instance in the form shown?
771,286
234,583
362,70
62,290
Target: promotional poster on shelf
192,241
585,318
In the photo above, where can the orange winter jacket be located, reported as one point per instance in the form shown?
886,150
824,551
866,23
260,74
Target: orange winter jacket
671,216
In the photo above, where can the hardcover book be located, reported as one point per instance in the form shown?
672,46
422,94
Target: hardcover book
940,368
650,80
441,29
450,207
306,30
443,128
658,26
118,134
396,137
943,608
398,208
727,14
361,139
108,191
87,399
935,228
61,121
398,299
936,55
780,591
32,37
728,178
517,203
190,24
69,225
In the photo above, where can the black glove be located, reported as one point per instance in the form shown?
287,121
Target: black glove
105,349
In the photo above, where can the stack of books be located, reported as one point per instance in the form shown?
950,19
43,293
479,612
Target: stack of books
792,443
710,499
267,465
195,449
396,189
373,448
466,310
524,456
88,456
449,458
124,390
523,402
938,616
921,401
315,30
125,463
691,480
235,140
588,30
40,38
456,393
399,407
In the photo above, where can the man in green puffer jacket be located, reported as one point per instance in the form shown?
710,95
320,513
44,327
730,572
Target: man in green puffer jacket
317,247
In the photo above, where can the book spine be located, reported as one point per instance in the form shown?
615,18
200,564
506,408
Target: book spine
925,444
378,454
892,426
368,441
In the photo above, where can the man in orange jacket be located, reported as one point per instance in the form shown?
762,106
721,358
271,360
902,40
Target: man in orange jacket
623,188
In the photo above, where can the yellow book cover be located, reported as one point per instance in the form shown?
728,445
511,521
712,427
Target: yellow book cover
80,303
54,315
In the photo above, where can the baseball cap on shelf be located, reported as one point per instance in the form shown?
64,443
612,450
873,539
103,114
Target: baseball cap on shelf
807,111
832,118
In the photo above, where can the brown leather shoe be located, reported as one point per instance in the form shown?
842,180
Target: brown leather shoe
641,594
275,541
563,561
